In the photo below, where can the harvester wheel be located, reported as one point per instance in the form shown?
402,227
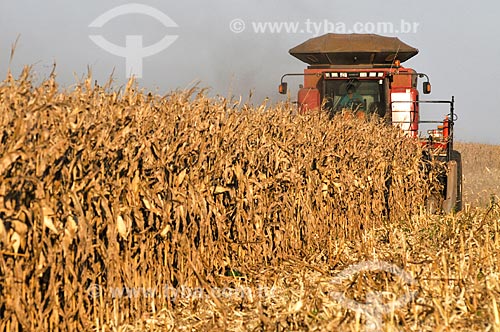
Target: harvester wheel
455,155
453,192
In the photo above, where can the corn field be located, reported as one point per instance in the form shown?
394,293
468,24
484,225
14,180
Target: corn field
112,198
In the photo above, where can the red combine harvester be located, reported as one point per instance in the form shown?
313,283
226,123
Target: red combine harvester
363,74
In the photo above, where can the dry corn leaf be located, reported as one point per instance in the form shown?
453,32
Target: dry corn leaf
165,230
3,232
41,262
147,204
121,227
20,227
69,233
7,160
180,177
17,241
219,190
48,222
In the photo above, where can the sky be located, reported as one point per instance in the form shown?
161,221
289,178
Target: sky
229,46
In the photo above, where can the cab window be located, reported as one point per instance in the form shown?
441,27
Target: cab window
369,95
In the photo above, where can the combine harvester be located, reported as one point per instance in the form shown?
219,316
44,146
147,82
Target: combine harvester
363,73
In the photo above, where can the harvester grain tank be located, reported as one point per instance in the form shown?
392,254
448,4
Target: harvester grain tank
341,66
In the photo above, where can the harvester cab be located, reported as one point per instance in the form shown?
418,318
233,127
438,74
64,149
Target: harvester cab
362,73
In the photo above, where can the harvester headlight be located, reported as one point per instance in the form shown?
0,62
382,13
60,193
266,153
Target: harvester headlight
380,74
343,74
373,74
327,75
363,74
335,74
